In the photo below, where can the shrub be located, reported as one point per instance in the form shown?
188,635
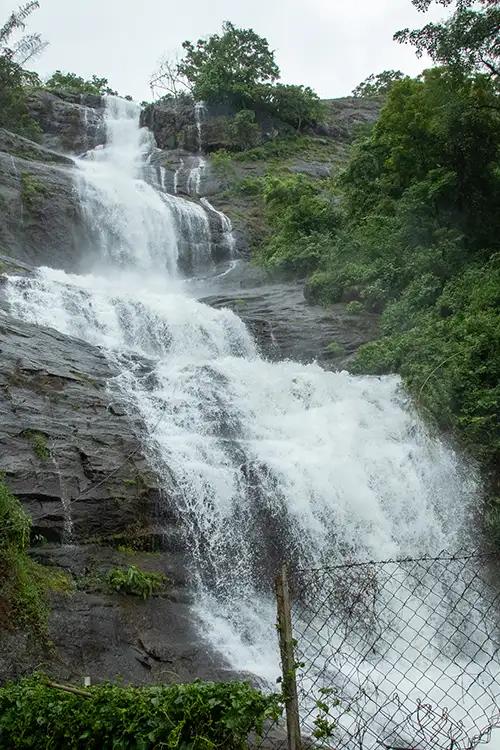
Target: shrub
39,444
136,582
14,84
244,130
299,106
335,349
196,716
23,583
78,85
222,162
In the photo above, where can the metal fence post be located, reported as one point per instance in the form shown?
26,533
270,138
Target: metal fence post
288,660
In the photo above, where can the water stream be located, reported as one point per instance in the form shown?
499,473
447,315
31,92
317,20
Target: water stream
264,461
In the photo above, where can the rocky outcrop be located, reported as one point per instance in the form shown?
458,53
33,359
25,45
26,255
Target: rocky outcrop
74,459
72,123
346,114
41,216
66,446
175,126
286,326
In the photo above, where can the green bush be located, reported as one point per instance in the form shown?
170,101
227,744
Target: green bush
222,162
76,84
196,716
136,582
244,130
300,216
15,83
23,583
355,307
39,444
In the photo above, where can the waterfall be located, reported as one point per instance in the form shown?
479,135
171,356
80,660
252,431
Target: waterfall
266,461
200,110
225,225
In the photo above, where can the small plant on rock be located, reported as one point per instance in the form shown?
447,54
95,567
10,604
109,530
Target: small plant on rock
136,582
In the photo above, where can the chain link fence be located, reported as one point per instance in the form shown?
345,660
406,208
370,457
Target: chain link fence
399,655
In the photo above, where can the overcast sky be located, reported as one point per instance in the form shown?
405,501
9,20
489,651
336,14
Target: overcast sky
330,45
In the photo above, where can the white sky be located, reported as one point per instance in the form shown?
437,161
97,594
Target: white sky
330,45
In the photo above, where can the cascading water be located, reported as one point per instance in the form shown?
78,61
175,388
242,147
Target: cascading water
266,461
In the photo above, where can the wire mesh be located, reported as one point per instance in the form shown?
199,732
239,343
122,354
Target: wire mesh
400,655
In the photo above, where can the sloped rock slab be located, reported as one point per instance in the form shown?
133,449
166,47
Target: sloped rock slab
67,448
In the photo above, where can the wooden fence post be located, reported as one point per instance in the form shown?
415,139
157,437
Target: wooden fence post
288,660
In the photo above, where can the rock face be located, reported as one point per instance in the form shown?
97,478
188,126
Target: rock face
173,124
176,125
287,327
346,114
41,217
179,125
55,387
72,123
74,459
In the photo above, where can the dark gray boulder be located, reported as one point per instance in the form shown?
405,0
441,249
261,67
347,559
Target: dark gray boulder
173,124
72,123
41,215
54,394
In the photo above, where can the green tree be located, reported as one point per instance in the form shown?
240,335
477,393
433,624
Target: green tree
78,85
299,106
379,84
28,45
14,79
230,66
301,216
244,130
469,40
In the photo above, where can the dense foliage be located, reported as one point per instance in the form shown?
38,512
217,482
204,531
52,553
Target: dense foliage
196,716
468,41
237,68
136,582
230,66
412,230
23,583
14,85
76,84
302,217
298,106
15,81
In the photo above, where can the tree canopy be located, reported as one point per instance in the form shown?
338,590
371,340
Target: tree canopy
28,45
469,40
379,84
14,79
79,85
230,66
297,105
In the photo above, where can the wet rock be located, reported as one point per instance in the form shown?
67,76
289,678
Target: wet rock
91,478
104,635
288,327
41,215
72,123
75,460
347,114
173,124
